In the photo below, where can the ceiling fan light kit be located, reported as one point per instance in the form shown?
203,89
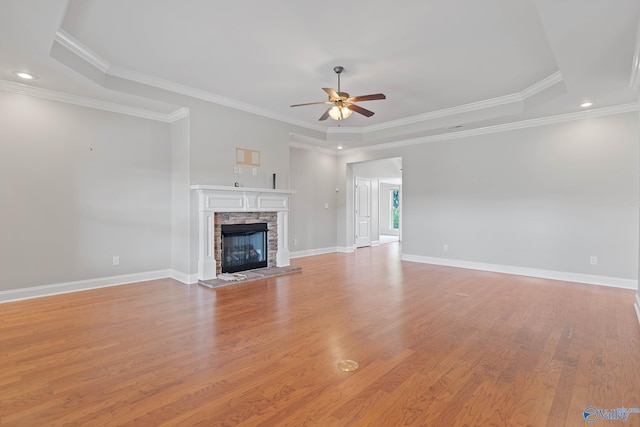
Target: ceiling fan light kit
342,104
339,113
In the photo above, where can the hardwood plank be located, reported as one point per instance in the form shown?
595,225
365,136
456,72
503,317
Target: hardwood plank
436,346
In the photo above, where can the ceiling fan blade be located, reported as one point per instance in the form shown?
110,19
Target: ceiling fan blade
333,95
358,109
371,97
311,103
325,116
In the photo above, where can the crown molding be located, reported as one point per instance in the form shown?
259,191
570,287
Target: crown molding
345,131
310,147
473,106
635,65
180,113
101,64
75,46
82,101
91,57
205,96
81,50
534,89
542,85
94,59
543,121
305,142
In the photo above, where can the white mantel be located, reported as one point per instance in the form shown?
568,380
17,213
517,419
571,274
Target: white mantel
216,198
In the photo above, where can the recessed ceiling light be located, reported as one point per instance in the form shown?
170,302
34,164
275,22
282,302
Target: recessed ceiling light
24,75
339,147
586,104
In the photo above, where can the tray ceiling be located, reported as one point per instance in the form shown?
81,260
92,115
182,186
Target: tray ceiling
441,63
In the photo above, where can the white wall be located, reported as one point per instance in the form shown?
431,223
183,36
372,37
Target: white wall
77,187
180,199
139,164
312,226
546,197
214,133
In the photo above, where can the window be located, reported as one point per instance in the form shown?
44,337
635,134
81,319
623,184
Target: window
395,209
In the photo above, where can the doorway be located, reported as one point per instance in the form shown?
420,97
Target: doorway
376,201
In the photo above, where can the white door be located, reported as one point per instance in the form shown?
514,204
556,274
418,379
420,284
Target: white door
363,212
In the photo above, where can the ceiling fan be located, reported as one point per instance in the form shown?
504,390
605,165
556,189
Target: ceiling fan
342,104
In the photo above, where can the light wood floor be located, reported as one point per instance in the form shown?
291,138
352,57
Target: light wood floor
437,346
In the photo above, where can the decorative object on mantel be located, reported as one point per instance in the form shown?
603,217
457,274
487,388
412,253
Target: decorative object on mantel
274,181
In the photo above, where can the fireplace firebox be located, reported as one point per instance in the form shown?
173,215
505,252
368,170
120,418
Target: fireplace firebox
244,247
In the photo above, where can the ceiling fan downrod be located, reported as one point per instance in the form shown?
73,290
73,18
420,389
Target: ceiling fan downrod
338,69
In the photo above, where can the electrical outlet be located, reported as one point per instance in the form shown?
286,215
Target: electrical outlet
235,169
445,247
116,260
593,260
295,241
326,205
255,171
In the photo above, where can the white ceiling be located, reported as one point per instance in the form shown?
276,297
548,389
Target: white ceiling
441,63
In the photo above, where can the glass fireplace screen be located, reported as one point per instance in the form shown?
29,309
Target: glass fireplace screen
244,247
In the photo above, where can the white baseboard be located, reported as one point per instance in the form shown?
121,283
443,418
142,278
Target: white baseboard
311,252
321,251
637,305
375,243
80,285
591,279
187,279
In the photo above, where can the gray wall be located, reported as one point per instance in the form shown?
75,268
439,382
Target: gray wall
145,211
77,187
214,132
546,197
313,176
180,197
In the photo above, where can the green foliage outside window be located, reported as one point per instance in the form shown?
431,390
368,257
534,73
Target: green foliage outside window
395,209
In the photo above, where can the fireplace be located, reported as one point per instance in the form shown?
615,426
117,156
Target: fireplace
220,205
244,247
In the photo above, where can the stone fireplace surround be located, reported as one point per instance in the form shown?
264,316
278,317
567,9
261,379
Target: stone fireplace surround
251,204
233,218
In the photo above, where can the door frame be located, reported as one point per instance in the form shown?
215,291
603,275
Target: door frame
361,241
